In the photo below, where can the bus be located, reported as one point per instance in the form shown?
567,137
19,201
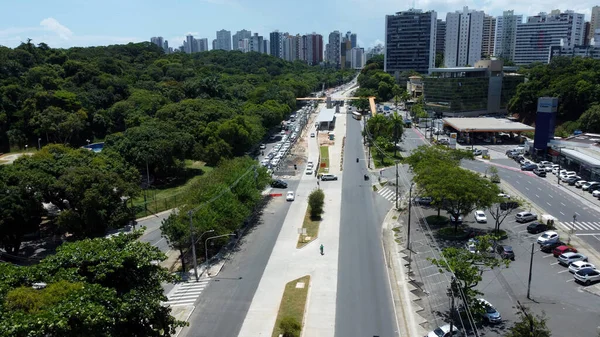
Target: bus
356,115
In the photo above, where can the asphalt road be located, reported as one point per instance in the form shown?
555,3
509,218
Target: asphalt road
153,234
364,304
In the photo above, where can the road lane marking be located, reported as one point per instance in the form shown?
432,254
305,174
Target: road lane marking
529,182
562,213
553,264
527,188
433,275
539,189
551,196
563,271
548,204
563,204
537,195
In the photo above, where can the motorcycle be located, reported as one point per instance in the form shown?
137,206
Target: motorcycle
366,177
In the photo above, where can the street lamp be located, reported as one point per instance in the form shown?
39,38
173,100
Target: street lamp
195,260
206,244
409,210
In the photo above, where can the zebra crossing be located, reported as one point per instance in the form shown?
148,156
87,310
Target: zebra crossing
186,293
388,194
581,226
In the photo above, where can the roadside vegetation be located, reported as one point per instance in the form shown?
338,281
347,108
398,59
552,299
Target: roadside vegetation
324,159
383,135
312,218
291,310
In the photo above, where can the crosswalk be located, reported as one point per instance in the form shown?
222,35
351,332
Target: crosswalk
388,194
582,226
186,293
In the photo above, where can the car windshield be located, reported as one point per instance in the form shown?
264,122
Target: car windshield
545,236
438,332
490,310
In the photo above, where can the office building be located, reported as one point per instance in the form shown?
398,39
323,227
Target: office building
440,36
276,44
239,36
256,43
589,51
489,34
410,39
506,35
464,36
485,88
358,58
334,53
539,32
346,54
223,40
594,23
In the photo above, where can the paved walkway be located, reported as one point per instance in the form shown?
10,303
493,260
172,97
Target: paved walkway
288,263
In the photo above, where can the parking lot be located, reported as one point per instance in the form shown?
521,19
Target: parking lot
571,306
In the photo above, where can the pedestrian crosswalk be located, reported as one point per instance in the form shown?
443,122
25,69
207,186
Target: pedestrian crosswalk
388,194
582,226
186,293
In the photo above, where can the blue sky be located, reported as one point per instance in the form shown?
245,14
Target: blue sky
67,23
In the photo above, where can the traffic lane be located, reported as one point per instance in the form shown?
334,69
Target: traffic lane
223,305
553,288
153,234
363,303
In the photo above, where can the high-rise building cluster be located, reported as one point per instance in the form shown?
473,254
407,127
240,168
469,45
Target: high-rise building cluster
414,37
341,51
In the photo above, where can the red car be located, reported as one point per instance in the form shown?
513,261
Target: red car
563,249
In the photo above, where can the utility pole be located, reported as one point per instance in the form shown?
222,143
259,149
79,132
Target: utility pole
397,185
452,306
528,317
530,269
558,173
369,161
195,260
409,211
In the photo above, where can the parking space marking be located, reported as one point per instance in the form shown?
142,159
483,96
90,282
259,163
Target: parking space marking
571,280
549,255
433,275
563,204
553,264
563,271
428,267
527,188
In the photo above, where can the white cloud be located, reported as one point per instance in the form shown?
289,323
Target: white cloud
52,25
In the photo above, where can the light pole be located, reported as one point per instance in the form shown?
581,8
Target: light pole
195,260
530,268
558,173
39,144
397,185
409,210
206,244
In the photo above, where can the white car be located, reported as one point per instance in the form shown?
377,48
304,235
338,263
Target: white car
308,171
263,146
587,276
589,184
290,196
596,194
578,265
480,216
580,183
444,331
504,195
548,237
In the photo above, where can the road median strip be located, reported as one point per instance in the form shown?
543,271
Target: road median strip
312,229
292,307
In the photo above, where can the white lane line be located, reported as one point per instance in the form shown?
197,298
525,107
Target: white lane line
548,204
550,196
571,280
433,275
539,189
563,204
584,234
529,182
537,195
527,188
562,213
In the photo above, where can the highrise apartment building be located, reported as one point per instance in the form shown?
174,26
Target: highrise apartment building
464,35
506,35
312,48
266,47
594,23
240,36
202,44
357,59
276,44
290,47
159,41
489,35
189,44
540,32
440,36
410,39
256,43
334,45
223,40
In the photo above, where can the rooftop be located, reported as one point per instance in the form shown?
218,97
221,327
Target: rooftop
486,124
326,115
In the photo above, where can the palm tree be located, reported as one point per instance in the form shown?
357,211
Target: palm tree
397,122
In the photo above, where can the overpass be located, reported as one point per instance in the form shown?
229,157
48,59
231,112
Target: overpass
342,98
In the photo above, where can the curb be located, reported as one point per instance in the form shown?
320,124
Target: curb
155,215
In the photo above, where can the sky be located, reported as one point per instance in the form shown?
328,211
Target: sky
68,23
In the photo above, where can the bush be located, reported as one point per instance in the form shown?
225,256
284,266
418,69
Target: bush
434,220
290,327
316,200
448,233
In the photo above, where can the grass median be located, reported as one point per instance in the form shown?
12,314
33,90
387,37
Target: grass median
293,304
312,229
324,150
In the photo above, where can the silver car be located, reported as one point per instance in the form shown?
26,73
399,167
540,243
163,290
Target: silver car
567,258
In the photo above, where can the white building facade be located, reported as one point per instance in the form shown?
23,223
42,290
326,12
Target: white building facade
506,35
357,58
464,35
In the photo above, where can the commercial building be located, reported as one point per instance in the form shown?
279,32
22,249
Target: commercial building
334,45
410,39
540,32
240,36
358,58
223,40
506,35
594,23
485,88
276,44
591,51
353,40
464,35
489,34
580,153
440,36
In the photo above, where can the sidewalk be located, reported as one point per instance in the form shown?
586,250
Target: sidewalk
288,263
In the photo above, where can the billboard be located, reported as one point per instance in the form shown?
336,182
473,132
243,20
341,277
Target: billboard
545,122
547,104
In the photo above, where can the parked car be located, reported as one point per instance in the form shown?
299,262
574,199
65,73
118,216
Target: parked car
529,167
548,237
290,196
596,194
551,168
537,227
490,314
423,201
326,177
444,331
593,188
477,152
277,183
444,141
587,276
549,247
308,171
525,217
480,216
540,172
504,195
312,135
558,251
589,184
572,180
580,183
578,265
567,258
454,220
505,252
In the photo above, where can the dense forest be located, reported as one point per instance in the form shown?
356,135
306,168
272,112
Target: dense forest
575,81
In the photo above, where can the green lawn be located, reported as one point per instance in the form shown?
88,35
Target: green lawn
324,159
312,229
293,303
388,159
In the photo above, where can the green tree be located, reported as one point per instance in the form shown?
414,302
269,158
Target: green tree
379,126
316,201
590,119
361,104
397,129
529,325
290,327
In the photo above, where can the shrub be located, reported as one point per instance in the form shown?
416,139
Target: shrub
434,220
290,327
316,200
